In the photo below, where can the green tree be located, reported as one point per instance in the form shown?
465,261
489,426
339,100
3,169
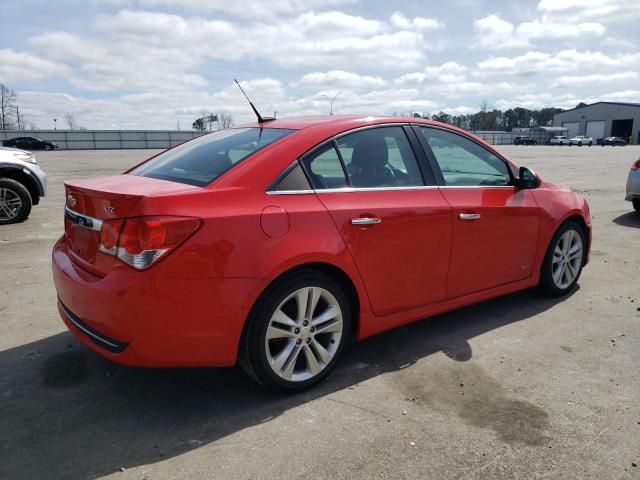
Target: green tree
200,125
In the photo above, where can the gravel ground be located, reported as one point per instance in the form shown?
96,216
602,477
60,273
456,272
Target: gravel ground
517,387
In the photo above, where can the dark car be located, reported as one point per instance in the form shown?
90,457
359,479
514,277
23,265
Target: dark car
524,140
614,141
29,143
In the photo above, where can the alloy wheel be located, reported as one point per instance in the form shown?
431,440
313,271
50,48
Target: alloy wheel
304,334
10,204
567,259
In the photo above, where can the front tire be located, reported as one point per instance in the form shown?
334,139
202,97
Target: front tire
636,204
564,260
15,202
47,147
296,332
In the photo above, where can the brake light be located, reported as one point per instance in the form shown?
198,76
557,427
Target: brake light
141,241
636,165
109,235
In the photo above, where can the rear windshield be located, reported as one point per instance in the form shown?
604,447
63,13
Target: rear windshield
200,161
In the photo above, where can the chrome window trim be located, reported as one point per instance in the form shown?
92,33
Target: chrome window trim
290,192
374,189
381,189
84,221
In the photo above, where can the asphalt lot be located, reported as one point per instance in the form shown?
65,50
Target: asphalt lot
518,387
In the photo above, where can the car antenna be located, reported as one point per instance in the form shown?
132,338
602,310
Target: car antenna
261,119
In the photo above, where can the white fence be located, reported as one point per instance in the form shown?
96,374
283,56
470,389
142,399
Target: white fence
106,139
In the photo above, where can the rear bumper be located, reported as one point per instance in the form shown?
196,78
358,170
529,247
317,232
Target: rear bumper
149,319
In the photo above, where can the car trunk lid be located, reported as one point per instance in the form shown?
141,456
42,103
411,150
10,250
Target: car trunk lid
91,202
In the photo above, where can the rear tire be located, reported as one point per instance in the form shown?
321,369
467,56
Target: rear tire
15,202
47,147
636,204
564,260
289,345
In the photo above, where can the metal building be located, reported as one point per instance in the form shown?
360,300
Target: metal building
602,119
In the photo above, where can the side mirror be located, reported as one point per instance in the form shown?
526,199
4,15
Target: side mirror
527,179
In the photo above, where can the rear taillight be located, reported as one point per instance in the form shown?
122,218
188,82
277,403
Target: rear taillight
109,236
636,165
141,241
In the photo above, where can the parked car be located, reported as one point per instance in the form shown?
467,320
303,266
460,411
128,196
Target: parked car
524,140
614,141
633,186
22,184
29,143
274,244
559,140
581,140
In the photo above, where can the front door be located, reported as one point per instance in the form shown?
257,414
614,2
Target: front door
397,229
495,225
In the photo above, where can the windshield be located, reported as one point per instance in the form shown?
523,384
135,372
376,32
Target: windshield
199,162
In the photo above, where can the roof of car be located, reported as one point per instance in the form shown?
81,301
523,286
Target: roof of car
298,123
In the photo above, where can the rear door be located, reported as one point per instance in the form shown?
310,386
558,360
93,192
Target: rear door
495,225
393,219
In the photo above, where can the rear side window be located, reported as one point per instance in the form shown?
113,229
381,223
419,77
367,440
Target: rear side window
201,161
379,157
325,168
293,180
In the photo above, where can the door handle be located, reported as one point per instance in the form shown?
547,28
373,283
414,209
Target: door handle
365,221
469,216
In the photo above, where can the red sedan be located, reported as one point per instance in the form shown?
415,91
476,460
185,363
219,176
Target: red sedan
274,244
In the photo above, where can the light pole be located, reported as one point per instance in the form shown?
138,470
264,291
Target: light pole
54,123
331,100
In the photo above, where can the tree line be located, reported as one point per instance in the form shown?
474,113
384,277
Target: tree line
496,119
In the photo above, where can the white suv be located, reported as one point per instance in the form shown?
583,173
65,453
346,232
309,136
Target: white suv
581,140
22,184
559,140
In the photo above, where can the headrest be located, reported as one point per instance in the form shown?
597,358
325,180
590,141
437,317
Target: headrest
371,151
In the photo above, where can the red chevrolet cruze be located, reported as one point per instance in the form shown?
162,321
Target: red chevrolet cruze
273,245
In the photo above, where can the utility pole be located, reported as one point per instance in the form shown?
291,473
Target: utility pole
18,118
55,125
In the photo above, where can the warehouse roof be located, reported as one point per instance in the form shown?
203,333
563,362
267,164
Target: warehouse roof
626,104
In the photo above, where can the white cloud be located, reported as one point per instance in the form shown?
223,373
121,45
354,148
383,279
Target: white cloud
594,79
493,32
245,8
536,62
337,79
329,38
127,50
25,67
447,72
419,24
601,10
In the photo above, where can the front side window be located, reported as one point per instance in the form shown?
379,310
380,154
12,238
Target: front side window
379,157
199,162
464,162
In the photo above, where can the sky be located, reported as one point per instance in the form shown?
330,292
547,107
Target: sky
160,64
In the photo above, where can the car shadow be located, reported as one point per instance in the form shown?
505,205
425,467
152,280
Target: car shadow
68,413
629,219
